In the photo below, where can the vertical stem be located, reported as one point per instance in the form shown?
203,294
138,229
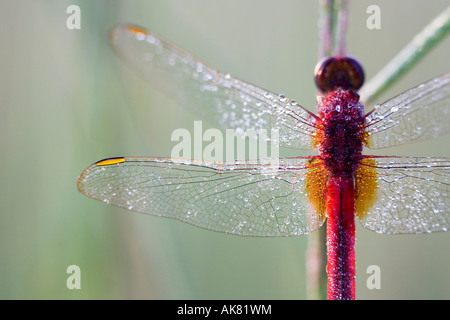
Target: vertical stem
340,31
316,258
316,252
333,19
326,26
341,237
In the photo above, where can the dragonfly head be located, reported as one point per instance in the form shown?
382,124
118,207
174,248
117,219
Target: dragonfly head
342,72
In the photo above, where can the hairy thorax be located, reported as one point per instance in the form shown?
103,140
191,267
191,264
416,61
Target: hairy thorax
340,135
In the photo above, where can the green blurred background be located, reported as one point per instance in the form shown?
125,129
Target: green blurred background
67,101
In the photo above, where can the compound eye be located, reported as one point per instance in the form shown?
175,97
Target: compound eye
332,73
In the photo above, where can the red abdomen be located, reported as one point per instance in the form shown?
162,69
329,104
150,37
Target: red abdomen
340,141
340,208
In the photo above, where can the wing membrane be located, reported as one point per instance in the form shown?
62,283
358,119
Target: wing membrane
207,91
419,113
239,198
413,196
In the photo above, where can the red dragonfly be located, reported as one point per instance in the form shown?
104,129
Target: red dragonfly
388,194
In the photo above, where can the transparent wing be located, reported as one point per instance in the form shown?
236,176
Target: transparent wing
420,113
239,198
194,84
413,196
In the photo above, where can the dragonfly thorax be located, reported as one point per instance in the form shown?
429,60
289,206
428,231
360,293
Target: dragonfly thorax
341,125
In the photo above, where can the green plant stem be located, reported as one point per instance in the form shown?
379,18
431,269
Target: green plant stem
420,45
333,17
316,260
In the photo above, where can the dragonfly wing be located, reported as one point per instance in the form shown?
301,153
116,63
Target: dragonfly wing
420,113
413,196
244,199
207,91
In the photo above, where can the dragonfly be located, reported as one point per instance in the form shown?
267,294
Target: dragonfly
388,194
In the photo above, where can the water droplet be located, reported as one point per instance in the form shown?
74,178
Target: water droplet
140,36
171,61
